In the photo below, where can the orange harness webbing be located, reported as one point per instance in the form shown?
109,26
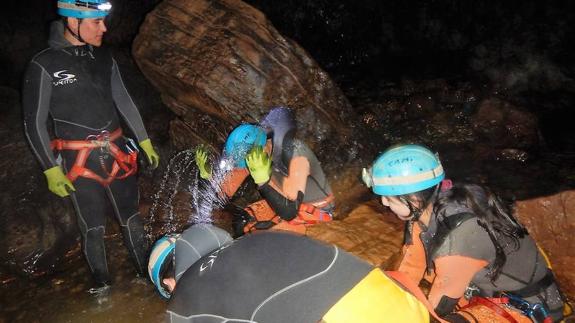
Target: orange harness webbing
493,305
122,161
312,213
264,217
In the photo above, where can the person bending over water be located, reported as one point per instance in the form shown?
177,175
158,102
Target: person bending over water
275,276
464,235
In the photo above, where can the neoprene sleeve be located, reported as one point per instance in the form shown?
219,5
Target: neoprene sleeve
284,207
36,93
126,105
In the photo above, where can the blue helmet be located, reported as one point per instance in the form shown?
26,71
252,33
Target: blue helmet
404,169
241,140
183,250
161,255
84,8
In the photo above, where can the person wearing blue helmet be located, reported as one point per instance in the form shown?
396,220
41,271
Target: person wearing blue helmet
75,85
174,253
464,236
292,182
208,277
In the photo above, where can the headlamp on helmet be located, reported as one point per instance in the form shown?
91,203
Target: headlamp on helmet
366,177
84,8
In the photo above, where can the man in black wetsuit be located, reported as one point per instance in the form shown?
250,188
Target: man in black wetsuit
78,85
274,277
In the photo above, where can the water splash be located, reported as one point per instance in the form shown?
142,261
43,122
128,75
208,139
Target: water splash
209,196
177,171
182,177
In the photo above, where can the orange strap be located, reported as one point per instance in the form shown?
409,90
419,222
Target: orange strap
122,161
265,217
312,213
61,144
410,285
490,303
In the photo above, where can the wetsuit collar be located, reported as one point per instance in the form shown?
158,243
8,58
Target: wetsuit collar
57,39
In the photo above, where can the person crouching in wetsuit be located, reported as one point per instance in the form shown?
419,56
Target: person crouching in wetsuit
292,182
275,277
77,84
480,255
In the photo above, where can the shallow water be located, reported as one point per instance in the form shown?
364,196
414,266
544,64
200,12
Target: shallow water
64,296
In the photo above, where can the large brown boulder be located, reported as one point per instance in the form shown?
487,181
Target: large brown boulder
219,63
551,221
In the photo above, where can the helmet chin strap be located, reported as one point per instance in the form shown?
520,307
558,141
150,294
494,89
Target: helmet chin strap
75,35
416,212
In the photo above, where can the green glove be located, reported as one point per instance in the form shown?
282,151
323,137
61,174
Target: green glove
58,183
202,162
153,157
259,164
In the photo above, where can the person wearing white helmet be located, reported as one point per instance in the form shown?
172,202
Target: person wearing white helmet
465,236
76,85
275,277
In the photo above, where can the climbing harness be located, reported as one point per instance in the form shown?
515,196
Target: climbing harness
104,143
262,217
313,213
537,312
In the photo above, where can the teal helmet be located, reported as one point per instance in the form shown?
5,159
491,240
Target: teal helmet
84,8
241,140
161,256
404,169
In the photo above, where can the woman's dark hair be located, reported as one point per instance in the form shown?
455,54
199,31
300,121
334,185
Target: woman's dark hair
492,214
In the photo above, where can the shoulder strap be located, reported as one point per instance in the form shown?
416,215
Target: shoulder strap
445,227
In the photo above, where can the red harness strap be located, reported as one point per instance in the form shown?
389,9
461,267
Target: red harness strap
492,304
312,213
122,161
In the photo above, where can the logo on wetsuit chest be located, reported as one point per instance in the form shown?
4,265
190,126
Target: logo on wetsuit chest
63,78
211,259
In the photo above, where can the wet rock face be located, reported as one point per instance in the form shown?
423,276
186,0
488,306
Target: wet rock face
36,228
551,221
504,125
437,113
219,63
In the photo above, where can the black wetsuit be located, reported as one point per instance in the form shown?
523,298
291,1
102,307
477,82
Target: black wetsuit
81,89
266,277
